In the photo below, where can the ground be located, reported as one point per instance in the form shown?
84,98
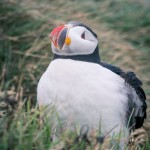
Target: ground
25,46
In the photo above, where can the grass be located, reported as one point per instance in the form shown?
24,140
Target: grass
123,16
26,127
20,33
25,54
24,130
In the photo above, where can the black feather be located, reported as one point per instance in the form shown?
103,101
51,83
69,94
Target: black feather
135,83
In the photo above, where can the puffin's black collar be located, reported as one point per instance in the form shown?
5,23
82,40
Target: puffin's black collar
94,57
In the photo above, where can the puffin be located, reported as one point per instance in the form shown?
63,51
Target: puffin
86,91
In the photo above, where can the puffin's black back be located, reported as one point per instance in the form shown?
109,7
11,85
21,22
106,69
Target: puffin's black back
135,83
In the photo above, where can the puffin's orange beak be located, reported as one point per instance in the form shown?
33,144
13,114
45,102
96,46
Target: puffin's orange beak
58,36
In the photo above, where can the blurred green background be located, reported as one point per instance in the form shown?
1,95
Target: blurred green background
123,28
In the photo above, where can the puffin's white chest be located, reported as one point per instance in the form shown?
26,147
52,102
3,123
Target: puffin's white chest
83,93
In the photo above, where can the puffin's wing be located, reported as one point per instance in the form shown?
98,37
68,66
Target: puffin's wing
133,81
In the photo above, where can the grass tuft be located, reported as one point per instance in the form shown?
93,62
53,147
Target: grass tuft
25,54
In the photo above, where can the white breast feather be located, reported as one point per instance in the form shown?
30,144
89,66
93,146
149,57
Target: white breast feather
84,93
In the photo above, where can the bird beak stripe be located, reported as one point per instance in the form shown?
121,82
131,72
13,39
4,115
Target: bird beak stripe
59,37
55,34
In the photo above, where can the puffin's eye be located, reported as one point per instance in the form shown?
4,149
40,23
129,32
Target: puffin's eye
83,35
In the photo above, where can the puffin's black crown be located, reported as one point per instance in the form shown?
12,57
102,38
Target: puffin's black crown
76,23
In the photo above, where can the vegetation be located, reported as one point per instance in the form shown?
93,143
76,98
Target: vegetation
123,30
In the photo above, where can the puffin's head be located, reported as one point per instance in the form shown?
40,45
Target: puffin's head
73,38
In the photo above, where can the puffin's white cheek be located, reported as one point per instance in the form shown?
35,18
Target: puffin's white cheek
82,46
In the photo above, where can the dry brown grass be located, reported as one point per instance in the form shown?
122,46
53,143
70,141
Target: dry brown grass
113,49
